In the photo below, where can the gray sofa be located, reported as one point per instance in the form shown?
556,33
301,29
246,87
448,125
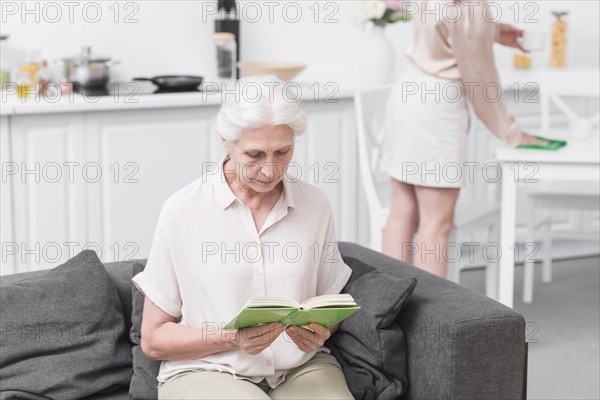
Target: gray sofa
460,344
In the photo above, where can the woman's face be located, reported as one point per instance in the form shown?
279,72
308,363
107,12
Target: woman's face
261,156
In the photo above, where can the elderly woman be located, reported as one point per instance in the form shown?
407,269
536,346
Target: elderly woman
243,229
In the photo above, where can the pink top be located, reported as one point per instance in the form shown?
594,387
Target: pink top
454,40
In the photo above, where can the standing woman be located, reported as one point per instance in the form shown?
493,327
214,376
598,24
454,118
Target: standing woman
451,63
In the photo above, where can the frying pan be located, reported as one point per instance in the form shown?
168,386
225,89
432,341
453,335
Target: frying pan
174,83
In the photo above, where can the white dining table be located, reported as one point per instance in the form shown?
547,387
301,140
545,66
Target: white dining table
578,161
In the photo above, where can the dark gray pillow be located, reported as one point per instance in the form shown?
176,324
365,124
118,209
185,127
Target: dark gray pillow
143,383
63,334
370,345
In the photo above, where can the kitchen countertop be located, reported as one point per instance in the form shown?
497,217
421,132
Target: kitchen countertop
341,86
131,98
12,105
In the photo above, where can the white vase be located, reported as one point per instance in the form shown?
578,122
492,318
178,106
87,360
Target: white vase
377,60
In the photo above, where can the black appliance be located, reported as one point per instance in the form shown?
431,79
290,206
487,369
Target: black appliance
228,21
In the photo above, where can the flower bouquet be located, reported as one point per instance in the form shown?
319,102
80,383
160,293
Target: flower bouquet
380,12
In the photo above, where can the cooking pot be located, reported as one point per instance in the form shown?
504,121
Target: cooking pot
174,83
87,70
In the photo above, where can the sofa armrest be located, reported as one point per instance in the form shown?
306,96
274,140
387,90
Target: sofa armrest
460,343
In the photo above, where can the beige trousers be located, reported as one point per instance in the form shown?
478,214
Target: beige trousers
320,377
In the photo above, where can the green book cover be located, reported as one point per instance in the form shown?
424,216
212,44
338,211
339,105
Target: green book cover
327,310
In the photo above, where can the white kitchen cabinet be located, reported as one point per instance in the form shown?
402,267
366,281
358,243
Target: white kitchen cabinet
48,197
6,194
144,156
118,166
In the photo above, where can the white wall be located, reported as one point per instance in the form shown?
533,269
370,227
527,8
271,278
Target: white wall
170,37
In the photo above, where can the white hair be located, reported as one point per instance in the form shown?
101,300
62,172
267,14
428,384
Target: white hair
259,101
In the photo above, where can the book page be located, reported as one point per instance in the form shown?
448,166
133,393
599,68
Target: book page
266,301
327,317
329,300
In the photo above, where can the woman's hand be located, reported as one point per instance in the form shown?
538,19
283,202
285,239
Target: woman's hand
255,339
508,35
527,139
308,340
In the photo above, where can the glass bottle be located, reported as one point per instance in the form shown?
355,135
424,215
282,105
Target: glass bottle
226,62
228,20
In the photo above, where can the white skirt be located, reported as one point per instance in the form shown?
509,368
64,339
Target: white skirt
426,130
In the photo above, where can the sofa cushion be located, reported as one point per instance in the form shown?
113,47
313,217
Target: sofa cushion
143,382
370,344
63,334
120,274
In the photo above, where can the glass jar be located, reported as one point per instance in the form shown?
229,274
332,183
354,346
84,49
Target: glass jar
225,61
521,60
23,84
558,55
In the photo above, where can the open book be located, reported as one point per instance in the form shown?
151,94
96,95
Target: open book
326,310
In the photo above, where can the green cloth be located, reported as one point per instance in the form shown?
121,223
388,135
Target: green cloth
552,145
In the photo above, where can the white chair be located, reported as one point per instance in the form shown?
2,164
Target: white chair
470,216
554,87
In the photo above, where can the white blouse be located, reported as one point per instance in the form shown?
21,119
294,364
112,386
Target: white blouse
207,259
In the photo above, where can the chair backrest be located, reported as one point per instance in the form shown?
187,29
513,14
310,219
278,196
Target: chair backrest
557,85
370,107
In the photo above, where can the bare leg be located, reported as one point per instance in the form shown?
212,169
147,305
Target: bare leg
402,222
436,215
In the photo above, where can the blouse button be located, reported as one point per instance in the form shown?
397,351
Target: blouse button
269,363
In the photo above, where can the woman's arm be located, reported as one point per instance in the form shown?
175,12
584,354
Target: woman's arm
164,339
472,39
